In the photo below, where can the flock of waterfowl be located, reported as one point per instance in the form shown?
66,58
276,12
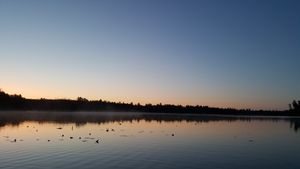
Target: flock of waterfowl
83,139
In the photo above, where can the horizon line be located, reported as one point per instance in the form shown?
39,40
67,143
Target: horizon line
139,103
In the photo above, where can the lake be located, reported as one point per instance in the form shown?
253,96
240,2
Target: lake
68,140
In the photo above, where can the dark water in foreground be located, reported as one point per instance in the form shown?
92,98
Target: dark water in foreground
134,140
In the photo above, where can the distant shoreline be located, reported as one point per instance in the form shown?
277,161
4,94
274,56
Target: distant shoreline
18,103
279,114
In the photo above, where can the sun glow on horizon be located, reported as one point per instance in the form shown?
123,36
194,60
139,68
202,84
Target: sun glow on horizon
31,93
153,52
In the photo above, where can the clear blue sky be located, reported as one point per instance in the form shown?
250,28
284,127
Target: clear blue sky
243,54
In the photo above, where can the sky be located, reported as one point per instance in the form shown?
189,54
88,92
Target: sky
233,53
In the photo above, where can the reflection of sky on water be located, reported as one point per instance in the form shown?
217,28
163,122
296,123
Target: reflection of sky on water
82,118
145,141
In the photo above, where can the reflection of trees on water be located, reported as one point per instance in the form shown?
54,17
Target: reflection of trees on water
295,124
81,118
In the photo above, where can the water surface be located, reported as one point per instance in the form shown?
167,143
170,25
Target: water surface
67,140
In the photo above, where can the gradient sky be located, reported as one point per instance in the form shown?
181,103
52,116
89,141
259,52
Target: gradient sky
242,54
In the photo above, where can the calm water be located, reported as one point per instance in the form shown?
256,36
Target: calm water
136,140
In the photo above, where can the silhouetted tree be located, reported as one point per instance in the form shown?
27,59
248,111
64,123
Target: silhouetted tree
81,99
295,106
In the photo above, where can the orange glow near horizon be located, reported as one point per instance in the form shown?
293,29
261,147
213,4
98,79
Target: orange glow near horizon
237,56
37,93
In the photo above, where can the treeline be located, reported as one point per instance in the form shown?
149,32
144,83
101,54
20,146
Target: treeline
17,102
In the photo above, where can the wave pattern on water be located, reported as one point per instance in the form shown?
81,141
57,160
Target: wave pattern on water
152,141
